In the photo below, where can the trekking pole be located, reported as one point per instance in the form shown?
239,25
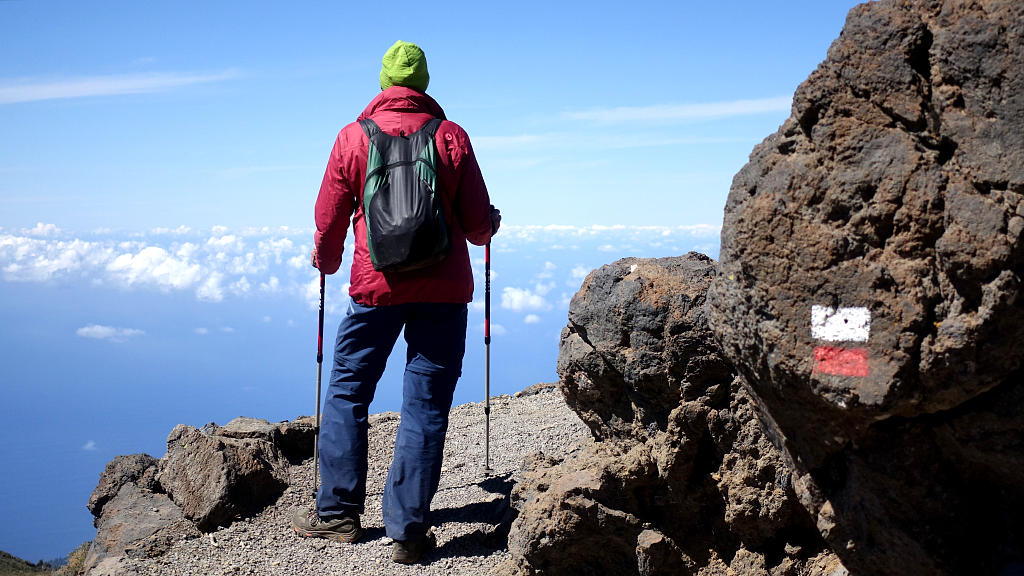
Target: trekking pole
319,372
487,359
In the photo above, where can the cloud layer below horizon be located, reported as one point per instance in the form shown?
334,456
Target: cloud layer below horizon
219,264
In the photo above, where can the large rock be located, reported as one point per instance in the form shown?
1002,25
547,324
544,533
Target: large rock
139,469
133,517
870,287
293,438
681,478
637,343
214,479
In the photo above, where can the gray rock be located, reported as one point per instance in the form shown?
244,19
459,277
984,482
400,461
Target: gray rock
894,193
137,522
139,469
215,479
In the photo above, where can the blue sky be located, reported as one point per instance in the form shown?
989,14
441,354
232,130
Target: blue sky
160,160
158,114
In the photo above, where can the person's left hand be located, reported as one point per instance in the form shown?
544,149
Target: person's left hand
495,220
312,258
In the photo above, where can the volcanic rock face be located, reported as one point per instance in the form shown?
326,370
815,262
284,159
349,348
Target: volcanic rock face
682,479
870,287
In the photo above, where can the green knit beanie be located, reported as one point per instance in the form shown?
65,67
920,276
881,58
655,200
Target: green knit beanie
404,65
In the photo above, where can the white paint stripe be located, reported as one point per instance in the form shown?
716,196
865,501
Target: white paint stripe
842,325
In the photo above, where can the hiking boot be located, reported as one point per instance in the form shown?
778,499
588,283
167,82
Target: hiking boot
409,551
343,528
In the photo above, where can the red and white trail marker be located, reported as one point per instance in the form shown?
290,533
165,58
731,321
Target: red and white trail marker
841,325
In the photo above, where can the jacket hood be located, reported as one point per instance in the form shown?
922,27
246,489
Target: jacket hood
402,99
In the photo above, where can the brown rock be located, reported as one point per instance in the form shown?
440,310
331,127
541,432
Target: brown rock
294,439
657,555
633,348
894,188
682,474
216,478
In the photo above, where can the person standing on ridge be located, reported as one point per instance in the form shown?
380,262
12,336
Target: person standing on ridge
429,301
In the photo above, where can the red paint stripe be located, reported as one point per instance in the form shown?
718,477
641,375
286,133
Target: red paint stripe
841,361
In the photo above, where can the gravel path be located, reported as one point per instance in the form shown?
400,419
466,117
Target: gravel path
468,507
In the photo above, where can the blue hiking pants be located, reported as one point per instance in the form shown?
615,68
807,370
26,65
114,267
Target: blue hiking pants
435,334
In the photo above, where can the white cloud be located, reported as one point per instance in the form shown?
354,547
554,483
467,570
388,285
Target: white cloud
523,299
276,248
43,230
548,272
541,289
684,112
531,319
241,287
109,333
498,330
153,265
227,329
226,243
211,289
267,319
36,260
202,331
216,266
179,231
311,293
34,89
299,262
272,285
186,250
89,446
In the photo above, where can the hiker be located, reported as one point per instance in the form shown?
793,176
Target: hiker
428,301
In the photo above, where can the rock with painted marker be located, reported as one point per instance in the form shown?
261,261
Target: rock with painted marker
870,286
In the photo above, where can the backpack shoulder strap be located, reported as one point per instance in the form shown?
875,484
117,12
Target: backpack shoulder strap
431,126
370,128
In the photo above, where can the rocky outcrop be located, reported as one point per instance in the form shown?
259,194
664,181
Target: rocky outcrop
870,287
681,479
208,478
869,306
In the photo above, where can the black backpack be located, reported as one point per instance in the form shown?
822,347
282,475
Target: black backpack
402,205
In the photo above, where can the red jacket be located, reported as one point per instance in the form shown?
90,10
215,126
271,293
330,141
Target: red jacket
467,205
